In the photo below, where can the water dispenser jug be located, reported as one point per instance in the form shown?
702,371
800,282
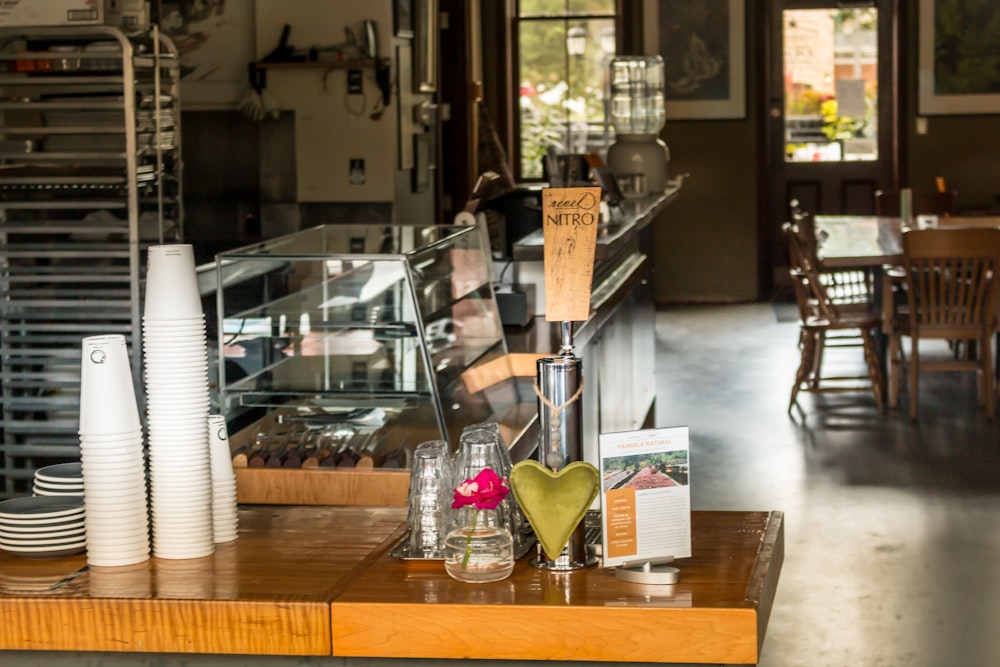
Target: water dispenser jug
638,158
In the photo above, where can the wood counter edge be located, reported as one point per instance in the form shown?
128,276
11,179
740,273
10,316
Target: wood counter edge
733,635
144,625
767,569
605,634
178,625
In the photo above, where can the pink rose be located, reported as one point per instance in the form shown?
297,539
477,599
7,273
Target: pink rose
484,492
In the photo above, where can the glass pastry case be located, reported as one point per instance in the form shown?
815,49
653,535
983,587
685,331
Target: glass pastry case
388,335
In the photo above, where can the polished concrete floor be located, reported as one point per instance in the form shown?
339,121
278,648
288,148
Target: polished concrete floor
892,526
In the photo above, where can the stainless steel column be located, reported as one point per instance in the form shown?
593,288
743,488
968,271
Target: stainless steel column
560,378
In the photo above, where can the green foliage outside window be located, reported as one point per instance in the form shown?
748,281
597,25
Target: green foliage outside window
560,95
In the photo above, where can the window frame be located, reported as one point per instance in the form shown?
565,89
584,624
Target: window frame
625,13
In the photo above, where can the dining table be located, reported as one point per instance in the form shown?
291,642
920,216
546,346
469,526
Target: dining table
871,243
858,241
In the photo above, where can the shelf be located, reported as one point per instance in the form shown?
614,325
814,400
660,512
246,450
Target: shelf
71,201
322,64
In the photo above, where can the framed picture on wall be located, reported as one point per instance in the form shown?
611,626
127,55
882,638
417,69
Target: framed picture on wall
215,41
703,47
957,73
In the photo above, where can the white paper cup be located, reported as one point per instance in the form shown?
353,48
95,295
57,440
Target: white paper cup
180,445
113,439
176,366
116,558
174,497
169,331
104,489
166,553
123,533
218,448
107,395
175,323
182,538
171,283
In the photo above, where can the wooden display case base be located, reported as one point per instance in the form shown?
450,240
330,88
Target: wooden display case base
321,486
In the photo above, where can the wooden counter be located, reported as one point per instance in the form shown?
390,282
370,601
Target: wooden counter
717,613
319,581
268,592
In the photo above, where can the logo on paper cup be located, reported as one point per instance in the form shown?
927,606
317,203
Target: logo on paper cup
98,356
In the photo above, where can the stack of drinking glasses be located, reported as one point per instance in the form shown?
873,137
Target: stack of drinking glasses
224,517
177,401
430,497
112,464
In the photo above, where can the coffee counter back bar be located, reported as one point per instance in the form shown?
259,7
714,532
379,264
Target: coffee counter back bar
311,578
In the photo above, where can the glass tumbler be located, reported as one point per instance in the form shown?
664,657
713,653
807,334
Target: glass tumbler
429,499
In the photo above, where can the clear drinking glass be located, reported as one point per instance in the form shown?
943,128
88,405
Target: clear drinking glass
481,446
429,499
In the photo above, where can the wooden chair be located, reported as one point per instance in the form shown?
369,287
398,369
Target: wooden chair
924,203
821,316
950,278
846,287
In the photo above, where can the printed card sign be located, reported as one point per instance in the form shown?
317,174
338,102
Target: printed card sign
645,496
569,226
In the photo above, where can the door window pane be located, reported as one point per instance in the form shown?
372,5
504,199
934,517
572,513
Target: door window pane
831,84
528,8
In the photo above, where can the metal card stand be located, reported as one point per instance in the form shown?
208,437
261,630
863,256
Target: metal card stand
649,571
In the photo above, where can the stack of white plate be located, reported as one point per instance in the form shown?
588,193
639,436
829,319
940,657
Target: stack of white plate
42,526
112,461
225,520
63,479
175,354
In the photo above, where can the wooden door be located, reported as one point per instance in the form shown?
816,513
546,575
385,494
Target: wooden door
831,111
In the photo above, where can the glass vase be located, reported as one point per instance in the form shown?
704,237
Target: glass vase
480,549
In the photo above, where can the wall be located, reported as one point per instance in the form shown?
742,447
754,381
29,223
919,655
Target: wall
965,150
246,179
333,130
221,190
706,242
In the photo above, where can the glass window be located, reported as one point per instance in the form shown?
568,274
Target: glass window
564,49
831,85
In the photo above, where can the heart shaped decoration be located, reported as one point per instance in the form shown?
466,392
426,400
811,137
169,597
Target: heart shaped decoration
554,502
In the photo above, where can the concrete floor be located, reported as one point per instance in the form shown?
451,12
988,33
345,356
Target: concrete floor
892,526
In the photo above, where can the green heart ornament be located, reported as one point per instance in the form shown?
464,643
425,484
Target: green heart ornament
554,502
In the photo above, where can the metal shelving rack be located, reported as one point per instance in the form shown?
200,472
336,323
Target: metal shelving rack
90,174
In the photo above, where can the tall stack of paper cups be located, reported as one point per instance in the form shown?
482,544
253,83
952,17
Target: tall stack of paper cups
175,355
114,471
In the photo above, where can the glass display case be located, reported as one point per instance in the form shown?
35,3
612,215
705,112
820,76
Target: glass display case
391,330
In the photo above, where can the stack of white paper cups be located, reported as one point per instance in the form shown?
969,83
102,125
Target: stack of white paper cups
113,469
177,401
224,515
